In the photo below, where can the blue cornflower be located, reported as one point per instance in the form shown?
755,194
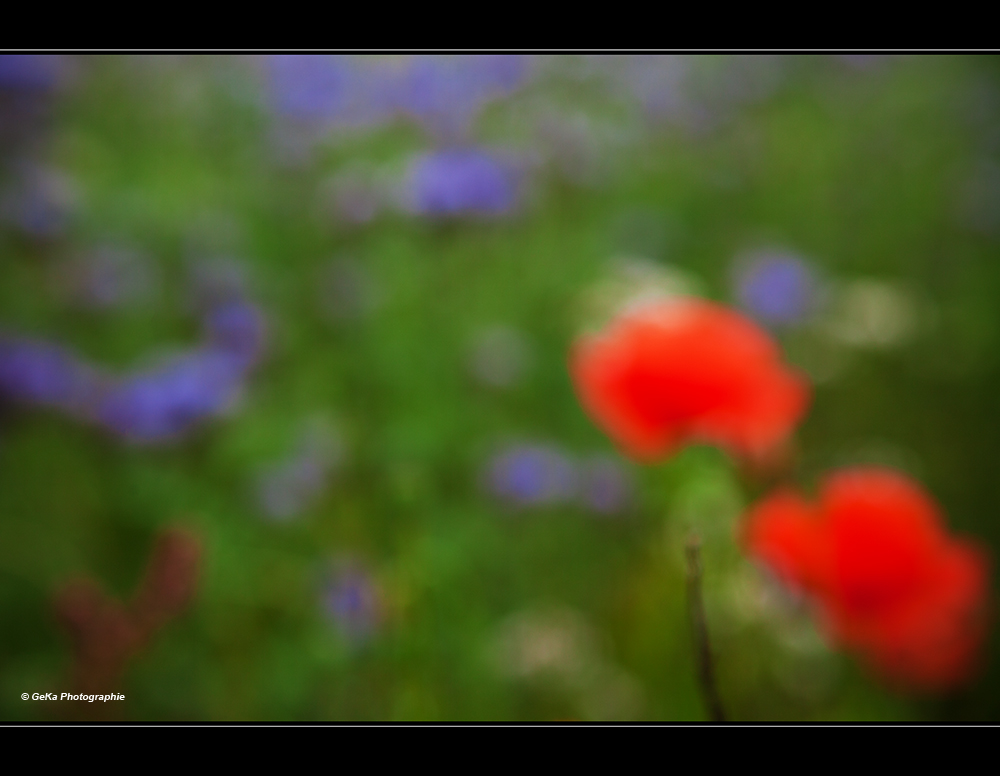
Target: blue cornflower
163,403
777,288
459,182
446,93
532,475
42,373
237,329
309,86
150,406
30,72
327,88
443,93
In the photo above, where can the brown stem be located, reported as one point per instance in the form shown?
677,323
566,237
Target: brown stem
107,633
699,626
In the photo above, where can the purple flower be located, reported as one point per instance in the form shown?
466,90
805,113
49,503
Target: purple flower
164,403
777,288
28,84
532,475
659,83
30,72
40,204
444,93
351,600
330,88
237,329
447,93
150,406
41,373
605,485
309,86
459,182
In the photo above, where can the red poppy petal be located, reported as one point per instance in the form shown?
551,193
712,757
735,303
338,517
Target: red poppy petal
761,418
887,536
933,641
783,531
683,370
890,582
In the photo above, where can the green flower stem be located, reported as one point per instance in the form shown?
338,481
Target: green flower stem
699,627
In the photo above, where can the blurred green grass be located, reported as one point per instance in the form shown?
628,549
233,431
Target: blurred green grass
858,171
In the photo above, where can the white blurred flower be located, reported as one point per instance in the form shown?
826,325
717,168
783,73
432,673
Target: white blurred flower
499,356
872,314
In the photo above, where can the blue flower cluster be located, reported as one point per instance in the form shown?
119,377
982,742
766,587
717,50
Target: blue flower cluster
331,88
152,406
28,82
165,402
30,72
445,94
41,373
458,182
540,476
454,182
777,288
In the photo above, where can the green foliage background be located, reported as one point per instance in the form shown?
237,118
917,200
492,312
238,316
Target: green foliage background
859,170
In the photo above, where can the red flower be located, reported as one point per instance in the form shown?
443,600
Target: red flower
889,581
687,370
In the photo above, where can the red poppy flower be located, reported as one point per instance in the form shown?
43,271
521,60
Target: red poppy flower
889,581
683,370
